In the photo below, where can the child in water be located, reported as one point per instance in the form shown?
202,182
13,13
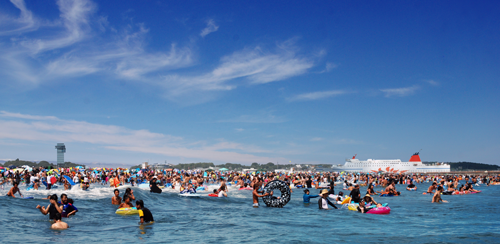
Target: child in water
144,213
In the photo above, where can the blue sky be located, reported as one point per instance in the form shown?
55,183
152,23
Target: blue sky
123,82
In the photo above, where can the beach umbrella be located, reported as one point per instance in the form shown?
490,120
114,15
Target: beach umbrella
223,169
1,167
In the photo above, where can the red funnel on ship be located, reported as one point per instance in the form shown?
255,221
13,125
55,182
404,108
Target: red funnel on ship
415,158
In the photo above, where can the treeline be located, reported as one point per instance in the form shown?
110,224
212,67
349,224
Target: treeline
472,166
458,166
18,163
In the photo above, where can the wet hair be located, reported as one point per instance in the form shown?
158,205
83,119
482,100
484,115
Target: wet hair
256,185
53,197
440,188
125,198
139,202
58,216
306,190
128,190
70,200
63,195
116,190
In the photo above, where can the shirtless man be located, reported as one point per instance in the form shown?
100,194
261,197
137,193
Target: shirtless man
431,188
116,199
256,195
58,224
13,191
437,195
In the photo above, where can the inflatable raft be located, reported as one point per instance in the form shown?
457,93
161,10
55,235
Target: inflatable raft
127,211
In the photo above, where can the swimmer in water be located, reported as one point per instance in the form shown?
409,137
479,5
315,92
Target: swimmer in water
411,186
126,203
256,195
324,202
52,209
437,196
144,213
67,205
130,193
431,188
222,192
116,199
307,197
13,190
58,224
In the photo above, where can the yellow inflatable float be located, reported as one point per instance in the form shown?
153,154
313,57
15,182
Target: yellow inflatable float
346,200
127,211
353,207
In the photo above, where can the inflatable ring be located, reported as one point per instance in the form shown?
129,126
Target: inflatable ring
275,202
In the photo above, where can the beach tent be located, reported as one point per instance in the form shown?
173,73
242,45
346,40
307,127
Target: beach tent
223,169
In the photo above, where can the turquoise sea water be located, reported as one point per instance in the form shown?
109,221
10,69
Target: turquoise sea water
413,219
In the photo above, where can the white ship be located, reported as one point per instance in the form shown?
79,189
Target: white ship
415,165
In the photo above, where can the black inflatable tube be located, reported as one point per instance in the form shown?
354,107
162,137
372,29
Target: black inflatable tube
273,201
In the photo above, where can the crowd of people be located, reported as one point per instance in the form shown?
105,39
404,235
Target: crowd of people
196,181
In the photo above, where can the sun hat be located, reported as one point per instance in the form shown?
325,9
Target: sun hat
324,191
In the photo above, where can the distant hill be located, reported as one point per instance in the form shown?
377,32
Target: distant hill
459,166
44,164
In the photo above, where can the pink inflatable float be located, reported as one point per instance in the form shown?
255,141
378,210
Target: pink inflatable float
246,188
382,210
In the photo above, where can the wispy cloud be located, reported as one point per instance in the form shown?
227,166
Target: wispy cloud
12,25
329,67
79,44
73,49
75,17
24,127
258,118
432,82
256,66
211,27
400,92
317,95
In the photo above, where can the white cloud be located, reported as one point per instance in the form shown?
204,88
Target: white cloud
258,118
69,47
211,27
254,65
72,49
317,95
25,22
239,129
24,127
329,67
75,17
400,92
432,82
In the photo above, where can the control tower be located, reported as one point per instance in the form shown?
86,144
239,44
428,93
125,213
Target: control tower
61,149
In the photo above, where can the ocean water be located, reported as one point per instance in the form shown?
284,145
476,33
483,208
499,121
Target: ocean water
473,218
